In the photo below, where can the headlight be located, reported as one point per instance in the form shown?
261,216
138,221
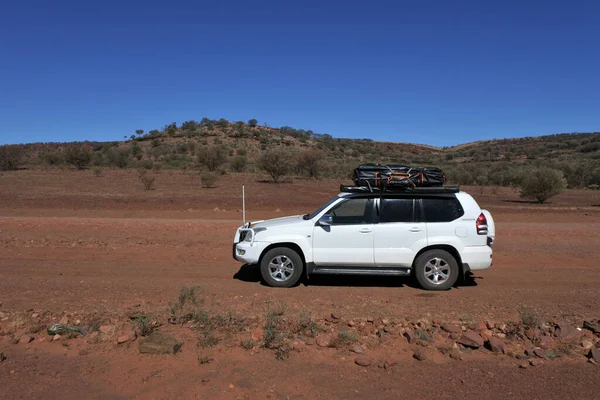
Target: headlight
248,237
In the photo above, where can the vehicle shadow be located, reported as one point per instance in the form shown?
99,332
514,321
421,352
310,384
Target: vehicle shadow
251,273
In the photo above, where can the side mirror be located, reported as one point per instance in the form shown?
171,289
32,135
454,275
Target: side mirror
326,220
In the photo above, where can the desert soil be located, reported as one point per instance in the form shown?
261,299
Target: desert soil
73,245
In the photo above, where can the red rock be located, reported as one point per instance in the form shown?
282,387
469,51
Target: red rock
370,319
481,326
26,339
535,362
471,339
546,342
323,340
421,355
56,338
530,352
587,344
13,340
541,353
496,345
363,361
258,334
351,323
298,346
357,348
486,334
567,332
410,336
451,328
107,329
335,315
490,325
389,364
127,337
309,341
594,354
524,365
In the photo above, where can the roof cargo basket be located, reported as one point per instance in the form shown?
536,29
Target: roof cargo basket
400,189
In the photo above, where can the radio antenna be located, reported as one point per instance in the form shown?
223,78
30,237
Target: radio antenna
243,204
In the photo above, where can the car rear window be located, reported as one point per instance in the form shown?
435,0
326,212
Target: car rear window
442,209
397,210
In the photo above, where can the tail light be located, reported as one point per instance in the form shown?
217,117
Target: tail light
481,224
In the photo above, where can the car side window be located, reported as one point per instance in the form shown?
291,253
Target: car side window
443,209
397,210
352,212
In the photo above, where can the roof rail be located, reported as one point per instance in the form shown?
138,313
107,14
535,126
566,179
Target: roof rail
400,189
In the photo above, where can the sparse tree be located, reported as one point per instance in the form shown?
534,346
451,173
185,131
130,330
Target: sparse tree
118,157
276,163
542,183
10,157
79,156
209,179
238,163
252,122
139,132
310,162
212,157
146,179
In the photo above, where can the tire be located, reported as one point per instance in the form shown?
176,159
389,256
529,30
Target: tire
436,265
281,267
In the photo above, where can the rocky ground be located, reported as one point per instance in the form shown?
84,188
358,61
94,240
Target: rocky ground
150,304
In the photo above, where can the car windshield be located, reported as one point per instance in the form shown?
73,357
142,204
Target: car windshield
323,207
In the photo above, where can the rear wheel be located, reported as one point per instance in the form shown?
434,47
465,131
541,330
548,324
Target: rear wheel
436,270
281,267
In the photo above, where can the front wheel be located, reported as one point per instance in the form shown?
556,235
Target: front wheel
436,270
281,267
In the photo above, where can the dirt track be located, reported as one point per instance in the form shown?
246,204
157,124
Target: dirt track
71,242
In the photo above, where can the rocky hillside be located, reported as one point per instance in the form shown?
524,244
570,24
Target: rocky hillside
242,143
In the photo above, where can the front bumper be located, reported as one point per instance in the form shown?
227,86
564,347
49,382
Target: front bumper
248,253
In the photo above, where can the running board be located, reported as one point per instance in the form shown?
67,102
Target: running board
361,271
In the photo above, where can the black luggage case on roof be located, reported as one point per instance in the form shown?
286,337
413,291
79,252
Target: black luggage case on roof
380,176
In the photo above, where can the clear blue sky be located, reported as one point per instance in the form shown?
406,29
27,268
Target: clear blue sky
437,72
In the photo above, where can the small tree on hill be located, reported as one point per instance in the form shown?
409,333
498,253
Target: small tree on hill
310,161
238,163
78,156
252,122
542,184
212,157
10,157
276,163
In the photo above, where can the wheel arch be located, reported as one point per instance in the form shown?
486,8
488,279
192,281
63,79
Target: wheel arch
450,249
289,245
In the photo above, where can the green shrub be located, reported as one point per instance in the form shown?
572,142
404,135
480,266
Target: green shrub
239,163
209,179
310,162
212,157
276,163
79,156
146,179
543,183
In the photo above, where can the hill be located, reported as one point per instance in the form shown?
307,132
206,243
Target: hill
239,145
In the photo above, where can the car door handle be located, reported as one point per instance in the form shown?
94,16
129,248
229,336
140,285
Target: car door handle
415,229
365,230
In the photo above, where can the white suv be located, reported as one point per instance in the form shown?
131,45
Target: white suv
434,236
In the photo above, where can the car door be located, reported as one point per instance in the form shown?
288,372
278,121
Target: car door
348,240
399,234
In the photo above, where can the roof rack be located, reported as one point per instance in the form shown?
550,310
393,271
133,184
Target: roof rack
400,189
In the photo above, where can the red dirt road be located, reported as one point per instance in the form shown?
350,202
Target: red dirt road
71,242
